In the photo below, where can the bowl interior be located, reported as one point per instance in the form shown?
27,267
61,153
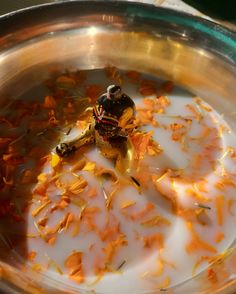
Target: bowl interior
195,54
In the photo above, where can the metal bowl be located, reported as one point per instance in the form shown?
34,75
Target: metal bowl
194,53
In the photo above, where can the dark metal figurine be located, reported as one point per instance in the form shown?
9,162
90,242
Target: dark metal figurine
114,114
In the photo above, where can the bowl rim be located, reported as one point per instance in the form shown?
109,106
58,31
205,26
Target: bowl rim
217,37
141,8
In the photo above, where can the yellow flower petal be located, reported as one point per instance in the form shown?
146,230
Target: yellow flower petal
89,166
55,160
42,177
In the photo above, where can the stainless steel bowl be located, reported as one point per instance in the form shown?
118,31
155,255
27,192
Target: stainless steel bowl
194,53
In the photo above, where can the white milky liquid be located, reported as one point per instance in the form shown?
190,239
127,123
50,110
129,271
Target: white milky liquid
137,275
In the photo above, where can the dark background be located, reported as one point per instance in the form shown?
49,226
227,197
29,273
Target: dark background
221,9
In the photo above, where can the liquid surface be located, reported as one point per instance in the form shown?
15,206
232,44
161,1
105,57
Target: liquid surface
81,221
